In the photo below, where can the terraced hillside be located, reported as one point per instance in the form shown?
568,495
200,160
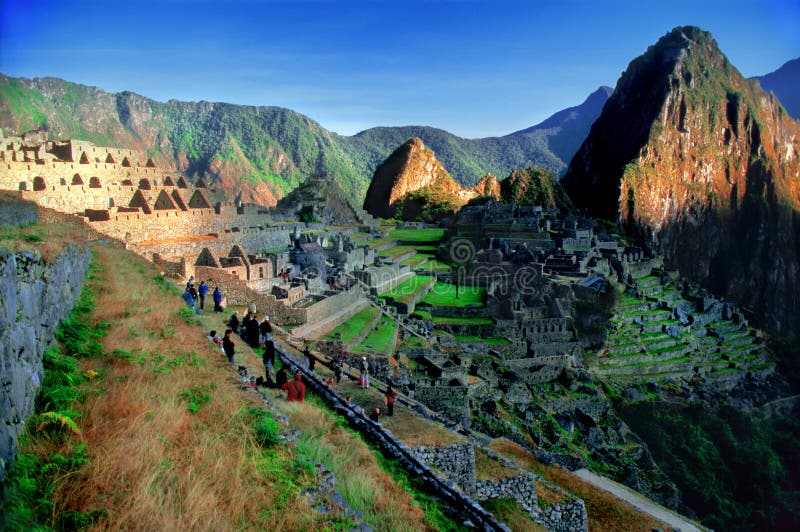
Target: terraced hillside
657,334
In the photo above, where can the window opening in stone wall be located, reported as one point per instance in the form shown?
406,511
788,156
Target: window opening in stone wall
260,272
76,179
110,159
39,184
126,163
94,182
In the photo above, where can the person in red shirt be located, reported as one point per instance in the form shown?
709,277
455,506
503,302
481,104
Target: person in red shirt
389,400
295,390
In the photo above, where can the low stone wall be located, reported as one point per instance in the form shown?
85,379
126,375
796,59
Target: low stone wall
452,401
35,296
455,461
331,305
471,514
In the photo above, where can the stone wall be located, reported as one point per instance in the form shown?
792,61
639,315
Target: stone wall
455,461
15,212
452,401
34,297
236,292
469,513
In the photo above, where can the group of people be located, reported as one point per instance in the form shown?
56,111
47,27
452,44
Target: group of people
195,296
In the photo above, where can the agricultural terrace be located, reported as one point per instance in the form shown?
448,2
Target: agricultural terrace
417,235
408,289
398,251
378,340
353,326
444,295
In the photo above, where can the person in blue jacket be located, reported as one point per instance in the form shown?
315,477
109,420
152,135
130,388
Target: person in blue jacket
217,299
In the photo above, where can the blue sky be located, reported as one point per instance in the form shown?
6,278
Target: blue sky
476,68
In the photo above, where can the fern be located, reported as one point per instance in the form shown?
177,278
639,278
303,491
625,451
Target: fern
50,419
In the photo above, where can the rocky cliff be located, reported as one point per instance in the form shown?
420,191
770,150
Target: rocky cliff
704,164
488,185
34,297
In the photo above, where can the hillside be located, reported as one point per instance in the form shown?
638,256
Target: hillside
259,154
704,163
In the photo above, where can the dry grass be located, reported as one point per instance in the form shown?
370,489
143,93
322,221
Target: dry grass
511,513
405,425
46,239
606,512
487,468
154,464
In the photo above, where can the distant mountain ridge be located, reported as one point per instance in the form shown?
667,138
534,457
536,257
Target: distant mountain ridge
259,154
785,84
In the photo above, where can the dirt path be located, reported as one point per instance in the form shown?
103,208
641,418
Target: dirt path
638,501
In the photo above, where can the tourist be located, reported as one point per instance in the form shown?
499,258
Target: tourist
375,415
265,329
214,337
296,390
234,322
187,296
190,282
389,400
251,331
311,359
281,378
269,355
337,370
228,345
217,299
202,291
363,380
193,291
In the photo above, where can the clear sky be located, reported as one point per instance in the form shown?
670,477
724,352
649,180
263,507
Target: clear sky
476,68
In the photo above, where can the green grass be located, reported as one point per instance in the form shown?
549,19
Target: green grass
417,235
354,324
444,295
397,251
437,320
415,260
487,341
378,242
409,288
379,337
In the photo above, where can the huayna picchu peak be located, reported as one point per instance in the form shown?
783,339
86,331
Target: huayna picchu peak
702,161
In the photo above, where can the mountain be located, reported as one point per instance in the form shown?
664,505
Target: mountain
411,178
534,186
704,164
259,154
785,83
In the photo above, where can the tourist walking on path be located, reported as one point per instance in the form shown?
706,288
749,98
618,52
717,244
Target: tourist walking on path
217,299
202,291
364,378
389,400
187,296
228,345
265,329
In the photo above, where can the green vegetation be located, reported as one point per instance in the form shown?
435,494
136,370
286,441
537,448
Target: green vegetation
354,325
417,235
487,341
408,289
379,338
444,295
440,320
534,186
731,467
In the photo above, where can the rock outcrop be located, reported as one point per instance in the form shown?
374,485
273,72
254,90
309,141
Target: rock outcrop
410,181
703,163
34,297
488,186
